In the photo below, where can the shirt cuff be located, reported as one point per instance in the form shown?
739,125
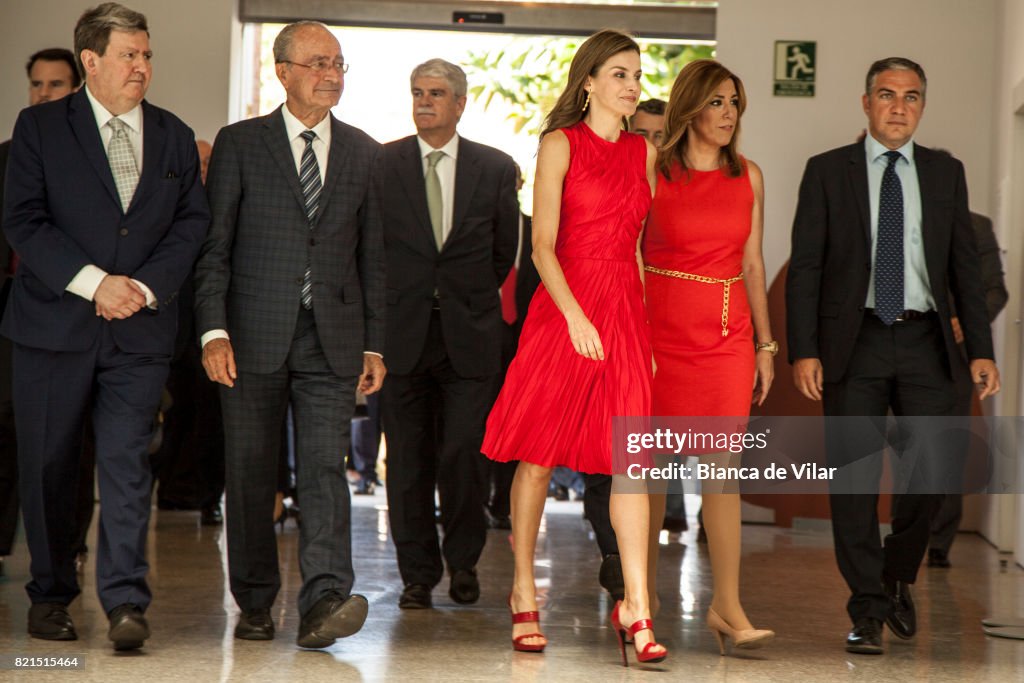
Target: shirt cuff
86,282
211,335
150,297
374,353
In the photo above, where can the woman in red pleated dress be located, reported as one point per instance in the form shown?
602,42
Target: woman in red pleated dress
584,353
706,299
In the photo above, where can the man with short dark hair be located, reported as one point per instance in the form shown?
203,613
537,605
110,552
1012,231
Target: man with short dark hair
649,121
450,226
881,239
290,297
52,74
105,236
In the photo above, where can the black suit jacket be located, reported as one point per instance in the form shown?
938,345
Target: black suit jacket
5,248
830,265
249,276
469,269
62,212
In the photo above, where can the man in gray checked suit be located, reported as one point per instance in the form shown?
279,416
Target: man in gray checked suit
290,305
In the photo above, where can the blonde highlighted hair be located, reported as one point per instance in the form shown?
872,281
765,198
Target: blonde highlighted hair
694,88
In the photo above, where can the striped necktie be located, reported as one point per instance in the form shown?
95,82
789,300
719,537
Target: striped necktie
309,179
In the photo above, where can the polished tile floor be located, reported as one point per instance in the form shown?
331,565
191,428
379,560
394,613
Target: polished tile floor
790,584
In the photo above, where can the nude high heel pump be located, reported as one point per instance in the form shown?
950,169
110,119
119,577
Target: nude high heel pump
746,639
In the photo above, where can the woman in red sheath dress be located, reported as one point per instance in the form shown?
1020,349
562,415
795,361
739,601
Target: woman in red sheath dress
584,353
706,298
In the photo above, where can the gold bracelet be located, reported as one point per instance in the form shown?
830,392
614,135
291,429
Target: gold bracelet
726,282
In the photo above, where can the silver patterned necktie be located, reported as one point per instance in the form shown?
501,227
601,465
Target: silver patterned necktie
435,200
309,179
122,162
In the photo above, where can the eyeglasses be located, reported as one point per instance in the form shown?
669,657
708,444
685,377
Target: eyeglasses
321,65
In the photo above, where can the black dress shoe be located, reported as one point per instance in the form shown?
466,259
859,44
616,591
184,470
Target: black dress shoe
465,587
255,624
415,596
675,525
211,516
128,628
938,558
332,617
50,621
610,577
866,637
902,619
364,487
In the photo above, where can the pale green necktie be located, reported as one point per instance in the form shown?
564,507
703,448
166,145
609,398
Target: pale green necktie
122,162
435,202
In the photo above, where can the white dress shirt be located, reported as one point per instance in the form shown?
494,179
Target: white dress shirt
321,143
88,279
446,174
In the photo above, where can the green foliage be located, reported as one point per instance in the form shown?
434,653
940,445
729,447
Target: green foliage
528,74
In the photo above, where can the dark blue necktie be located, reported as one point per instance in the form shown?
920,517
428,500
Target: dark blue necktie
309,179
889,245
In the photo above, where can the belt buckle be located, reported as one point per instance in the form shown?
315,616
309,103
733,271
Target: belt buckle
900,318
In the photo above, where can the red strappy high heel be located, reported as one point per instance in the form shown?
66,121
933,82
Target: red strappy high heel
525,618
645,655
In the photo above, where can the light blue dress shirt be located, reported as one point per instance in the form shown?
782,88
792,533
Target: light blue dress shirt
917,291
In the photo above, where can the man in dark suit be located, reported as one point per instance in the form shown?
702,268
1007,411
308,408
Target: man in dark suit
881,239
105,209
52,74
450,229
290,307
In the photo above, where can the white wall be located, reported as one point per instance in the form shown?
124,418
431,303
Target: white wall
1003,519
191,42
951,39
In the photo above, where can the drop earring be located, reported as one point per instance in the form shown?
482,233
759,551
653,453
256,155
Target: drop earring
586,103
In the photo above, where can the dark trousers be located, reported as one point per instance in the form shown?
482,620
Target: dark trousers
947,514
254,410
366,440
52,395
8,455
190,461
501,474
434,422
904,368
596,497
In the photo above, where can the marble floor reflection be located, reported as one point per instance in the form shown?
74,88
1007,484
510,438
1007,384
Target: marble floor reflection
790,584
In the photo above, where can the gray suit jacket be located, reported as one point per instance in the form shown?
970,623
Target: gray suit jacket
249,276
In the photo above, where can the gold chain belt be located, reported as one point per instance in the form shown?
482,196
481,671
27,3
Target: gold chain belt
727,283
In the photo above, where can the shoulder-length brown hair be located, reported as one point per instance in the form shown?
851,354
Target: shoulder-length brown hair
594,52
693,89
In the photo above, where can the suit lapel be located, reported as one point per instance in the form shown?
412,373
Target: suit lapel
337,157
276,138
858,170
83,123
153,141
466,179
410,172
927,189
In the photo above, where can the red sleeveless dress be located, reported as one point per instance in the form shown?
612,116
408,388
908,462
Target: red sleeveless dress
556,406
699,225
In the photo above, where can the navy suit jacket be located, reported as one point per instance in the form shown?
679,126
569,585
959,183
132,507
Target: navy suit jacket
830,267
62,212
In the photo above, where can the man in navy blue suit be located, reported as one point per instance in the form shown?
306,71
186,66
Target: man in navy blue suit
105,208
